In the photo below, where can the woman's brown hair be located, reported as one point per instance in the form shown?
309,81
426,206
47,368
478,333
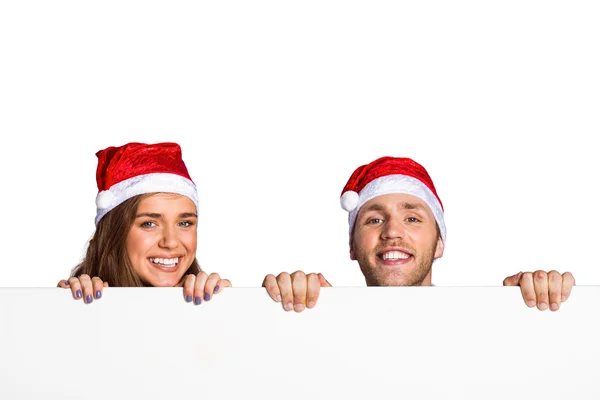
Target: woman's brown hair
106,256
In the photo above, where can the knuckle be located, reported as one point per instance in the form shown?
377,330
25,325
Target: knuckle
283,276
540,275
554,274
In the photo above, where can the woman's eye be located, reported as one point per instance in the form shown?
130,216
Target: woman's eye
147,224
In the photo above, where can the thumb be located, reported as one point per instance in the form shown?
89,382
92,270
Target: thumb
512,280
323,281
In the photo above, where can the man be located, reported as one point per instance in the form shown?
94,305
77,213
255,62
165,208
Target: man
397,231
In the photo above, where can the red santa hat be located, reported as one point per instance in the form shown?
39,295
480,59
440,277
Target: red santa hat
138,168
391,175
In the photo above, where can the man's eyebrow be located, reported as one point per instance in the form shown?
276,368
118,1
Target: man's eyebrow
413,206
374,207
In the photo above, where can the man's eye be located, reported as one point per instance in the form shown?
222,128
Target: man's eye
374,221
186,224
412,219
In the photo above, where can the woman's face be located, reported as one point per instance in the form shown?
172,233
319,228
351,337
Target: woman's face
161,243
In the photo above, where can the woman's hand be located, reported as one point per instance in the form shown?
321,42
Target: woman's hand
84,287
202,287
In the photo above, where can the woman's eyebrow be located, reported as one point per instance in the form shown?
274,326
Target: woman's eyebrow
158,215
149,215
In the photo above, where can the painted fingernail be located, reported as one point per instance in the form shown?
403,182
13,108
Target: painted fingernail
197,300
299,307
78,293
216,289
188,298
531,303
88,298
543,306
554,306
66,283
98,294
206,296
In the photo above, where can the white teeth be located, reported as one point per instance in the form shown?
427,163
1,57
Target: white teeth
168,262
395,255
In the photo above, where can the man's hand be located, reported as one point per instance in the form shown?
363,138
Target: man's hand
543,288
296,291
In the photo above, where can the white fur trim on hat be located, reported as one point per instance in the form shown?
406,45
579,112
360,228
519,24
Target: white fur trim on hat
106,200
399,184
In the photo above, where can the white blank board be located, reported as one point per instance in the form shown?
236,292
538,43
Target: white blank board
384,343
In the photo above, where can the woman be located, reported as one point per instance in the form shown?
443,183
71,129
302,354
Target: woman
146,226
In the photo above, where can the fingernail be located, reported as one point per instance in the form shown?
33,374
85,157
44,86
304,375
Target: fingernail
88,298
299,307
310,304
543,306
554,306
78,293
206,296
563,298
531,303
278,297
197,300
289,306
98,294
216,289
188,298
66,283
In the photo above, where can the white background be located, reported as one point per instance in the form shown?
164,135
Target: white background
275,103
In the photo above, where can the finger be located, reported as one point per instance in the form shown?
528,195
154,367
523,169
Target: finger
527,289
312,290
299,284
270,283
97,285
284,281
568,282
512,280
540,285
75,288
63,283
222,283
87,288
200,288
210,285
105,284
188,287
554,289
323,281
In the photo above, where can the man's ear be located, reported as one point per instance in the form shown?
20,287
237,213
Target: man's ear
352,255
439,248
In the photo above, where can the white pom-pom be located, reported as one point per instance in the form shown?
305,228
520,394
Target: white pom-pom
349,200
104,199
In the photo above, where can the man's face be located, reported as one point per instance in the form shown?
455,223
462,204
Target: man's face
395,241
